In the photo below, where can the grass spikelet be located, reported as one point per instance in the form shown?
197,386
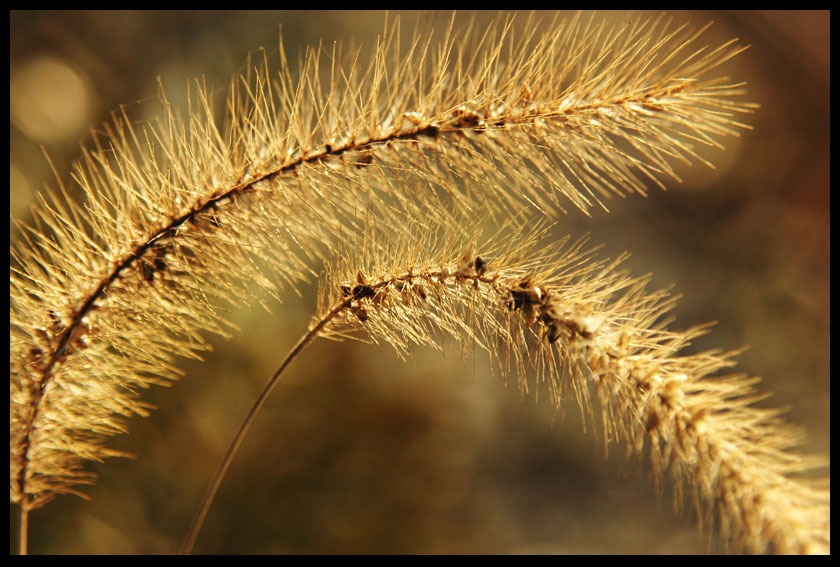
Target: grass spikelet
551,316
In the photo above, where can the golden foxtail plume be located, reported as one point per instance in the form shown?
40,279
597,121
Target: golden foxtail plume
553,317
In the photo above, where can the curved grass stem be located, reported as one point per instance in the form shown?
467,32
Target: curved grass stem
210,495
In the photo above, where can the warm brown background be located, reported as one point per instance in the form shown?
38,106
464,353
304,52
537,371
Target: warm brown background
358,452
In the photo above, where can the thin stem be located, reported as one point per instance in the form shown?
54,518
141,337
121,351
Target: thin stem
210,495
23,527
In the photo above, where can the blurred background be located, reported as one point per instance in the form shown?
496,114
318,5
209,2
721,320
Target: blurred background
359,452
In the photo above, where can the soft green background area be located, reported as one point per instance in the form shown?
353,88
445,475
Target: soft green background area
358,452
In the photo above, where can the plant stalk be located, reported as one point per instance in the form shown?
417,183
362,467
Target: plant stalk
209,496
